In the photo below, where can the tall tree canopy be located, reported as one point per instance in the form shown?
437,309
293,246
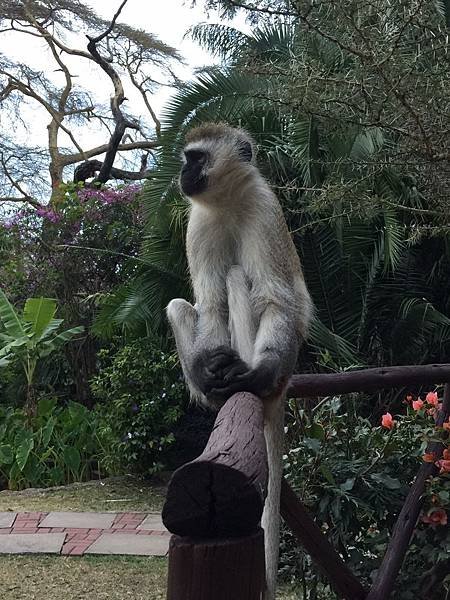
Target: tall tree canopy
349,105
126,55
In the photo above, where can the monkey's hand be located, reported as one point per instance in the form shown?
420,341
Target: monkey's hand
214,368
229,374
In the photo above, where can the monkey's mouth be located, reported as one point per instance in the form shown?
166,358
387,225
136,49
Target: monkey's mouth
192,185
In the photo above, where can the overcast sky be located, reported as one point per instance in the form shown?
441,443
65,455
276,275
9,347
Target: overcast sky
167,19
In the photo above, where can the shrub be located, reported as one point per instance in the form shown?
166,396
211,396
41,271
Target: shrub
58,445
140,394
354,477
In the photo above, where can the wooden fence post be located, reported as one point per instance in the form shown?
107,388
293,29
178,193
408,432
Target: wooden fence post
228,569
214,506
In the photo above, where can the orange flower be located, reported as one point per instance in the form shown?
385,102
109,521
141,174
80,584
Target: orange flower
444,466
437,517
429,457
417,404
387,421
432,398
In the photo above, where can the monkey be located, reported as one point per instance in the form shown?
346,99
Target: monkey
252,307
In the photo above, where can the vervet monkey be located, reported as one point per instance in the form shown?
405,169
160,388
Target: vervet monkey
252,308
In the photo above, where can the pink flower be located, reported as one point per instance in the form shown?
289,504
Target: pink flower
444,466
432,398
387,421
428,457
438,516
417,404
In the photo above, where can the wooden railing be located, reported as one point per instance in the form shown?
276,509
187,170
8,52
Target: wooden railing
214,503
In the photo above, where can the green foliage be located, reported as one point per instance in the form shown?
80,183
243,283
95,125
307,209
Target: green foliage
354,477
32,336
58,445
140,393
380,289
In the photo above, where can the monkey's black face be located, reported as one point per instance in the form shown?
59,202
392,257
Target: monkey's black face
193,180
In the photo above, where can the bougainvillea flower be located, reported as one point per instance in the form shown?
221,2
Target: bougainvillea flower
432,398
444,466
387,421
417,404
429,457
437,517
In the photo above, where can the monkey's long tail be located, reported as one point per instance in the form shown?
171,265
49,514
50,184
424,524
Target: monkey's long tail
274,435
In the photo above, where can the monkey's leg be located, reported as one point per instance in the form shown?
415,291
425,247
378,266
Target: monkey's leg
241,319
183,319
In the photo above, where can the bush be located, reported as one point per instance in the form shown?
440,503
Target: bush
140,395
354,478
59,445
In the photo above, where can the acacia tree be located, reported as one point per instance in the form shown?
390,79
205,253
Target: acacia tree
124,53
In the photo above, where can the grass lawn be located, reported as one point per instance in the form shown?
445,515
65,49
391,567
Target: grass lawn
116,494
87,577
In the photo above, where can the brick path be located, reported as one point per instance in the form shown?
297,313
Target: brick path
81,534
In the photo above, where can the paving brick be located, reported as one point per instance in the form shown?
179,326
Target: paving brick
28,530
122,543
47,543
153,521
76,530
7,519
79,549
78,520
5,531
68,546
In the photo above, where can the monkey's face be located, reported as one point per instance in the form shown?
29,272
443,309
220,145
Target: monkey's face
214,164
193,176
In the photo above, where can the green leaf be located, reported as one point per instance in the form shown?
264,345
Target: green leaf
9,348
389,482
327,474
47,431
316,431
23,451
72,458
312,444
348,484
10,318
39,312
6,455
66,336
45,406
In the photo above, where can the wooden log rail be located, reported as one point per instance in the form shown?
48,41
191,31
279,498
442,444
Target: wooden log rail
214,503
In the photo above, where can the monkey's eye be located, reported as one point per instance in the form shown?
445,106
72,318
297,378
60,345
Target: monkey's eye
195,156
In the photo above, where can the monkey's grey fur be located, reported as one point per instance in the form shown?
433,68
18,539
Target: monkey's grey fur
252,307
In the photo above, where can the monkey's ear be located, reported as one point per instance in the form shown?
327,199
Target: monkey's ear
245,151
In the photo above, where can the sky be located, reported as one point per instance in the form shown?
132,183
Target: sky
169,20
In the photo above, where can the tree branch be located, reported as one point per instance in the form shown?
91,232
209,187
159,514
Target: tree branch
70,159
122,123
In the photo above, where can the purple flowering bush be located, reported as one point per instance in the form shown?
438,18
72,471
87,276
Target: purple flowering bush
75,251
